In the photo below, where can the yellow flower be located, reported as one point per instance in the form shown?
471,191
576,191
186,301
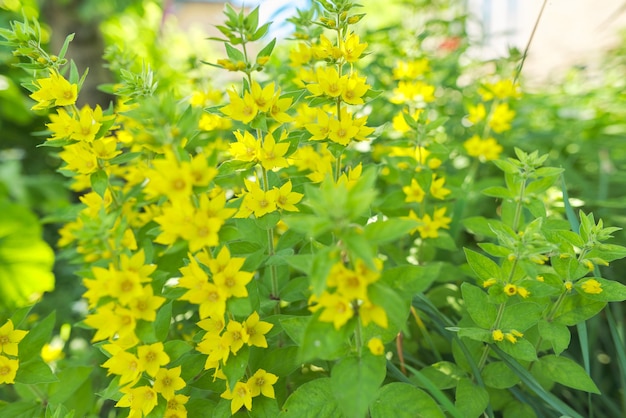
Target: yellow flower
79,158
523,292
411,69
477,113
300,56
246,148
592,286
436,188
415,91
271,154
497,335
510,289
354,89
352,49
286,199
510,337
376,346
237,335
337,309
168,381
485,150
414,192
328,83
54,90
61,124
88,124
152,357
141,400
256,330
176,407
262,382
489,282
242,109
8,370
9,338
263,97
501,118
342,131
257,201
240,396
233,281
124,364
368,312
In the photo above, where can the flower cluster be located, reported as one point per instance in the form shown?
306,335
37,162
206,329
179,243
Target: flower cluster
346,296
9,361
495,97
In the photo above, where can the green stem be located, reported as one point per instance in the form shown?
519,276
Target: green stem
496,325
518,207
271,251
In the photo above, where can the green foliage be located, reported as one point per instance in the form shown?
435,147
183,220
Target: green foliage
291,245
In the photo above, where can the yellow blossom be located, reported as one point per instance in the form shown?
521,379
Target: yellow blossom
411,69
477,113
10,338
486,150
337,309
352,48
240,396
54,90
141,400
592,287
436,188
501,118
152,357
168,381
263,97
256,330
286,199
61,124
8,370
328,83
497,335
510,289
489,282
261,382
376,346
414,192
271,154
242,109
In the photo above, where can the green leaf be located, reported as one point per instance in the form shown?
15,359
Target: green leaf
401,400
612,291
484,267
558,335
521,316
476,334
26,260
267,49
34,371
498,375
395,305
355,381
263,407
443,374
162,322
235,367
567,372
234,54
576,308
21,409
70,380
470,399
321,340
323,261
409,279
99,182
41,333
124,158
499,192
389,230
482,312
313,399
294,327
522,350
